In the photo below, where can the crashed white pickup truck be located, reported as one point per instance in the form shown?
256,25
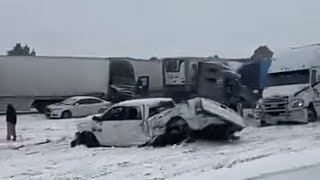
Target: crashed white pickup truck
159,121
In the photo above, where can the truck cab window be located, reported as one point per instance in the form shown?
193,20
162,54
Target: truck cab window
288,78
172,65
133,113
116,113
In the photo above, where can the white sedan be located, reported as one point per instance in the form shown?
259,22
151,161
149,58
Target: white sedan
78,106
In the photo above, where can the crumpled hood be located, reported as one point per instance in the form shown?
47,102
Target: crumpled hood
286,90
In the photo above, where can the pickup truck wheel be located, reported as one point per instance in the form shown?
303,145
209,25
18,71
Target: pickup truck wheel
85,138
311,114
177,130
66,115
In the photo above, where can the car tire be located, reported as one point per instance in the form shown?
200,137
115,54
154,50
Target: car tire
177,130
66,115
312,116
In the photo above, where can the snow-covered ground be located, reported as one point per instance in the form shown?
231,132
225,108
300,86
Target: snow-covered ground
43,152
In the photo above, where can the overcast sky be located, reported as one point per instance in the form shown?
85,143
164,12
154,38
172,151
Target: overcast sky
145,28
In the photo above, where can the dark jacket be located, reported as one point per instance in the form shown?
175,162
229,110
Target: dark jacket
11,114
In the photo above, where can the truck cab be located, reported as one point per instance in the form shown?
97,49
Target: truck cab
292,89
126,123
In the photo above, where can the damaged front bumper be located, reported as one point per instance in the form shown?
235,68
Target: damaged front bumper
295,115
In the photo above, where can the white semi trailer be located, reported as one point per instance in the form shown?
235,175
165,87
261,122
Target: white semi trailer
38,81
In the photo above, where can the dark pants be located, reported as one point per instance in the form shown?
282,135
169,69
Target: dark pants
11,131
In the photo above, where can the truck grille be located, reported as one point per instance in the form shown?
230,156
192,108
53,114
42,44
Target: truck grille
276,105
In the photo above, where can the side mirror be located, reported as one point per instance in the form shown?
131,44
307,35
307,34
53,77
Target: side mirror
143,85
96,118
76,104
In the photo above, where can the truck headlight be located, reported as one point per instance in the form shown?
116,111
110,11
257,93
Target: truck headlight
297,103
258,106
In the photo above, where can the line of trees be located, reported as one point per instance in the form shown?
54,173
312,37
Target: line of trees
19,50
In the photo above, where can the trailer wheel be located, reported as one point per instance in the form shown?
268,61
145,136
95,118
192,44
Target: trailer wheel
66,115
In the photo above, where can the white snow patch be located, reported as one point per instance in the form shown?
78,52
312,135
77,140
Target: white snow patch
255,169
43,152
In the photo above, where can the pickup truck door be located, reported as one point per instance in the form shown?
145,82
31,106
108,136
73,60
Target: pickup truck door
122,126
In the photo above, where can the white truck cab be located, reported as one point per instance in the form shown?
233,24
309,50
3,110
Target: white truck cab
292,89
125,123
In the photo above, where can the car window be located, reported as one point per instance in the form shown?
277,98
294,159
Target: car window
122,113
93,101
162,106
83,101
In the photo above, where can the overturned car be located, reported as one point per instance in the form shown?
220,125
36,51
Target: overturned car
159,121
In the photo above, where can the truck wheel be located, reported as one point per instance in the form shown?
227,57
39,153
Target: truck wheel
90,140
312,116
85,138
177,130
66,115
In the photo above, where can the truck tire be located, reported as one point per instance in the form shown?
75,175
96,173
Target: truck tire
177,130
66,115
85,138
312,116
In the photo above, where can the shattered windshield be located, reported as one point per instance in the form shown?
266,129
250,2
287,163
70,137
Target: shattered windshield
288,78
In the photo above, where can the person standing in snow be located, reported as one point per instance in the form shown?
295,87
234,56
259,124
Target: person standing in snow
11,122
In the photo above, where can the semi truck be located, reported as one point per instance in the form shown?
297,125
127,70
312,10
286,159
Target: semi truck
218,79
27,81
292,88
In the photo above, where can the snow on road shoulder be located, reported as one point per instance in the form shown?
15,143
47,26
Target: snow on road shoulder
35,129
37,158
262,167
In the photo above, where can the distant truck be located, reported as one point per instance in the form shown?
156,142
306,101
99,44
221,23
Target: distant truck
292,89
39,81
223,80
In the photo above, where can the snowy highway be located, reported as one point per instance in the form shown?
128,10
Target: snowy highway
306,173
43,152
